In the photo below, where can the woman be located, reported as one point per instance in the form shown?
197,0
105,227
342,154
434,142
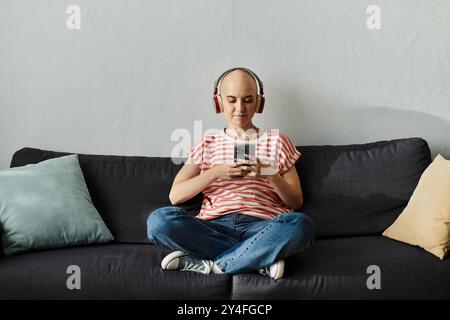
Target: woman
249,220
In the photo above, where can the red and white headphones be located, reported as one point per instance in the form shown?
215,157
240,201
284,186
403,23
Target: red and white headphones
217,99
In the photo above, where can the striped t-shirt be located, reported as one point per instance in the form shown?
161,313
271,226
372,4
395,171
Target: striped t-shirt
247,195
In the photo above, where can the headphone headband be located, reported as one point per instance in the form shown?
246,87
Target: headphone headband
250,72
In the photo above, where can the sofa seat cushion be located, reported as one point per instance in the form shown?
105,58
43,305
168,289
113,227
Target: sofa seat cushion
337,269
108,271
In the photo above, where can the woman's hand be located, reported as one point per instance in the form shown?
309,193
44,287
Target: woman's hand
261,170
230,170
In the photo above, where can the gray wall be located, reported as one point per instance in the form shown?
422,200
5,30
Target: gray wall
137,70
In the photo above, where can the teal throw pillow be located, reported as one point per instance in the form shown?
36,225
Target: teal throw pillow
47,205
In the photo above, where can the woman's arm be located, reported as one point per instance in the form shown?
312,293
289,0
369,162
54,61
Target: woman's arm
189,182
288,187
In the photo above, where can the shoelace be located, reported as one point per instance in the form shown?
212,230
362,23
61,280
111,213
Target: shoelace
197,265
265,271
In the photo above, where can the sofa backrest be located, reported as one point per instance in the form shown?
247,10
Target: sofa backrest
124,189
360,189
348,190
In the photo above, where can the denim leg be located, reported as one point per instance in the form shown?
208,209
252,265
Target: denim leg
267,241
172,228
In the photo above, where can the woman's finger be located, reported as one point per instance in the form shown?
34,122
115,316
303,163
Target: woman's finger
237,172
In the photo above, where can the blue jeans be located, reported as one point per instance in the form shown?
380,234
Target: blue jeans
237,243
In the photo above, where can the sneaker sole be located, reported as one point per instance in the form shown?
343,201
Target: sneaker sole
170,261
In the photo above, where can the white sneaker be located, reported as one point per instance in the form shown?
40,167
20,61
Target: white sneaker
274,271
181,261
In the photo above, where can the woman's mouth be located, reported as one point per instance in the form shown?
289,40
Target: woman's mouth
240,115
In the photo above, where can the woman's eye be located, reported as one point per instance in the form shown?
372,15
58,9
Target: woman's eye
245,100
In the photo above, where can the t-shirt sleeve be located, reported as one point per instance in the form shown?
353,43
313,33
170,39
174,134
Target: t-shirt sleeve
288,154
196,152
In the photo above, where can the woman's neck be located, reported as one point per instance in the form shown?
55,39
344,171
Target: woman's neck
251,132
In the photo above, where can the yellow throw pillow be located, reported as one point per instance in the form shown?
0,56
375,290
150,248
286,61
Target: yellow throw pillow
425,222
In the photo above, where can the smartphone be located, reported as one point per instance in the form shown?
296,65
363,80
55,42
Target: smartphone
245,152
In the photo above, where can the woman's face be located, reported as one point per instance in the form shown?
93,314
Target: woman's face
238,92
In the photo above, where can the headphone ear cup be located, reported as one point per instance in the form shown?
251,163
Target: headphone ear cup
261,100
217,103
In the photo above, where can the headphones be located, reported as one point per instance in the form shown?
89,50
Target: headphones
217,99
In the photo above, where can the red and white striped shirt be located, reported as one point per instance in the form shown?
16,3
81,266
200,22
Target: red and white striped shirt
247,195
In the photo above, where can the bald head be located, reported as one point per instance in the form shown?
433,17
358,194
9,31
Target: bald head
237,81
238,91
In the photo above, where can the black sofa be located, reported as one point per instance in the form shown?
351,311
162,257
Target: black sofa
352,192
